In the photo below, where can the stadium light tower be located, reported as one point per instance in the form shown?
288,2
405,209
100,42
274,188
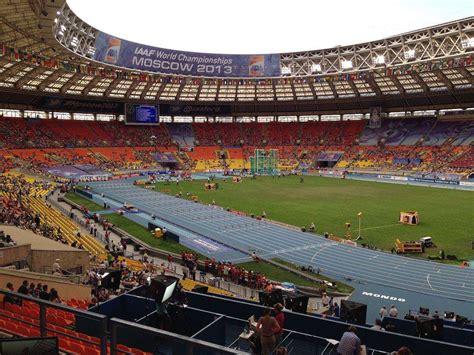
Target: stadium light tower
360,222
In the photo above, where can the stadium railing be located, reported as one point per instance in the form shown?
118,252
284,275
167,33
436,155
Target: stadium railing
44,322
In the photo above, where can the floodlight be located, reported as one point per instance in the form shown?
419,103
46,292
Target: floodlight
467,43
346,64
380,59
409,54
316,68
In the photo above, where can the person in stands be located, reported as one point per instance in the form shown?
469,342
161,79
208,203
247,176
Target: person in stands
383,312
8,298
337,310
23,289
393,311
44,294
325,300
267,327
54,296
57,268
31,289
349,343
280,318
378,325
404,351
38,289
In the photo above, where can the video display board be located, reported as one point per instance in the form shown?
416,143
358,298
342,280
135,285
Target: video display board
142,114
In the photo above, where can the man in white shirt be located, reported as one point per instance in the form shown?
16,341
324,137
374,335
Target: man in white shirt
378,325
383,312
325,300
393,311
57,268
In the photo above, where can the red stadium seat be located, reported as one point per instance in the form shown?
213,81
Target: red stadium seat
63,343
124,348
77,348
91,351
21,329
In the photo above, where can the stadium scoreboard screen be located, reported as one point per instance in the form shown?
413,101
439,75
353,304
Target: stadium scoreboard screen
142,114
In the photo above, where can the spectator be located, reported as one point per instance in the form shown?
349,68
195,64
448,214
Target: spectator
404,351
31,289
393,311
23,289
378,325
337,310
325,300
44,294
267,326
349,343
383,312
280,318
9,298
57,268
281,351
38,288
54,296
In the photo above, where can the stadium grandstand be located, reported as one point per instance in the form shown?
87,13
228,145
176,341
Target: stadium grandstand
130,185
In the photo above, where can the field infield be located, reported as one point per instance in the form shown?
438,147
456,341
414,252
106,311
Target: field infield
446,215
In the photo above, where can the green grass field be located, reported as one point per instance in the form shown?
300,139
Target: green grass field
143,234
82,201
446,215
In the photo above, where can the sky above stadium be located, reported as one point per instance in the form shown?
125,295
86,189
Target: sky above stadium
259,27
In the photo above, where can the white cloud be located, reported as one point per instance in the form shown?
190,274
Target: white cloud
259,26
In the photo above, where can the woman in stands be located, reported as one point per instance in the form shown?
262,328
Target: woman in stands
54,296
280,318
267,327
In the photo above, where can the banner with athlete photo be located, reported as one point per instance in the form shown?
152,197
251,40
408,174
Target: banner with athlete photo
375,119
132,55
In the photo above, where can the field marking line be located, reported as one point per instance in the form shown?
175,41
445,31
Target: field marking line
387,225
428,280
320,250
304,247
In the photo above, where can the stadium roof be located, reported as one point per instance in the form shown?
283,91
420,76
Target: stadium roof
257,26
36,60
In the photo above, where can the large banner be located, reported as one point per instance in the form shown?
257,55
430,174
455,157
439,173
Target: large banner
75,105
375,119
191,110
123,53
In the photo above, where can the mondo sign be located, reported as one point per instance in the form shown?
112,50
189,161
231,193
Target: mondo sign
123,53
384,297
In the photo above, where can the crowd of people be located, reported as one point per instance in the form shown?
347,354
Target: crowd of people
13,211
38,290
6,240
299,144
236,274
